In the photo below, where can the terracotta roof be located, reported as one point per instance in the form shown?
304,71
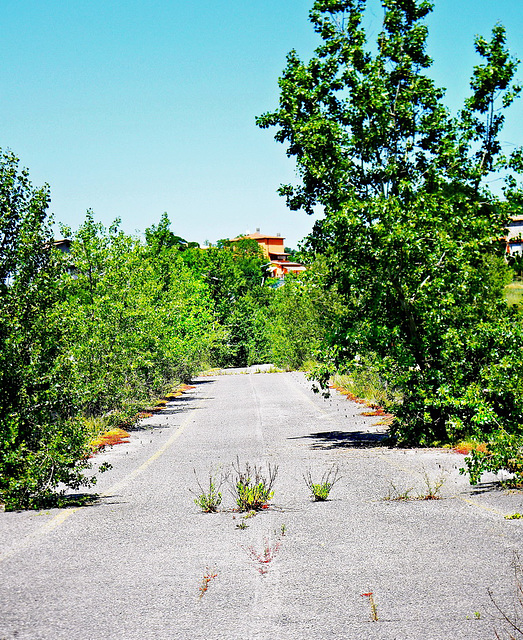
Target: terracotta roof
287,263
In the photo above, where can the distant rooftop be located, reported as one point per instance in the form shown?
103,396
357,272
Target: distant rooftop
258,236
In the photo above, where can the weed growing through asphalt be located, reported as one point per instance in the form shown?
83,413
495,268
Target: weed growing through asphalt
252,487
243,525
208,577
432,487
514,516
512,618
209,498
320,490
477,616
398,495
373,607
432,490
263,559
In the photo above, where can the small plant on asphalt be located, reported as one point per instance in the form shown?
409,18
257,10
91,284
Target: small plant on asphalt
373,607
242,524
208,577
513,619
432,490
320,490
432,487
252,488
209,498
398,495
514,516
262,560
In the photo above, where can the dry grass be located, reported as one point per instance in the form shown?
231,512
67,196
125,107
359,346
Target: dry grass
366,387
466,446
110,438
514,293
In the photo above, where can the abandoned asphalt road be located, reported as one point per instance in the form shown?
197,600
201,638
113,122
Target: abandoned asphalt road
131,566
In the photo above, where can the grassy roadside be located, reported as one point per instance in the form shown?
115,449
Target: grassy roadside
514,293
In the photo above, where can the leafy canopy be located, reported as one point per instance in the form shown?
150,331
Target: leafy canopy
411,228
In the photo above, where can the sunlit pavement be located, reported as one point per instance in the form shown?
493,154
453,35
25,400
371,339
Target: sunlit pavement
132,566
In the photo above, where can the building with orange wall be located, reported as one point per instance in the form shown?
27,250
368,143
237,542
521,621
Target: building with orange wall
274,250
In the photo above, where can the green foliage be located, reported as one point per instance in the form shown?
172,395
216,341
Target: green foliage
515,262
40,447
160,237
514,293
300,315
130,331
504,453
94,333
366,379
235,276
252,486
209,499
320,490
411,229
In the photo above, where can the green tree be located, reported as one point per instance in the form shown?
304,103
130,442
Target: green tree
235,275
39,446
160,236
132,328
411,227
515,262
301,314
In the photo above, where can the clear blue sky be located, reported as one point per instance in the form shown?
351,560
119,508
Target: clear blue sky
137,107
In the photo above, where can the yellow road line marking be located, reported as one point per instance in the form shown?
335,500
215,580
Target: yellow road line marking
482,506
64,515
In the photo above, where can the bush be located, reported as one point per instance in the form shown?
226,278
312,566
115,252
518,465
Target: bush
320,490
301,314
41,446
252,486
504,453
209,499
91,335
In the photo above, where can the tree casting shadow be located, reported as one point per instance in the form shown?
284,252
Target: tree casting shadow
345,439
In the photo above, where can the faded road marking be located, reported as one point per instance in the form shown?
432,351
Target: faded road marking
64,515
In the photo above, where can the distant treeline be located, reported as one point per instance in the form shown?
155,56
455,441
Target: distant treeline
90,336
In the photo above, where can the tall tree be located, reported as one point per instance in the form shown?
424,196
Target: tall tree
39,447
411,229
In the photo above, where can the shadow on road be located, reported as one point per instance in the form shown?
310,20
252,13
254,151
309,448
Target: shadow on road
345,439
173,407
486,487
